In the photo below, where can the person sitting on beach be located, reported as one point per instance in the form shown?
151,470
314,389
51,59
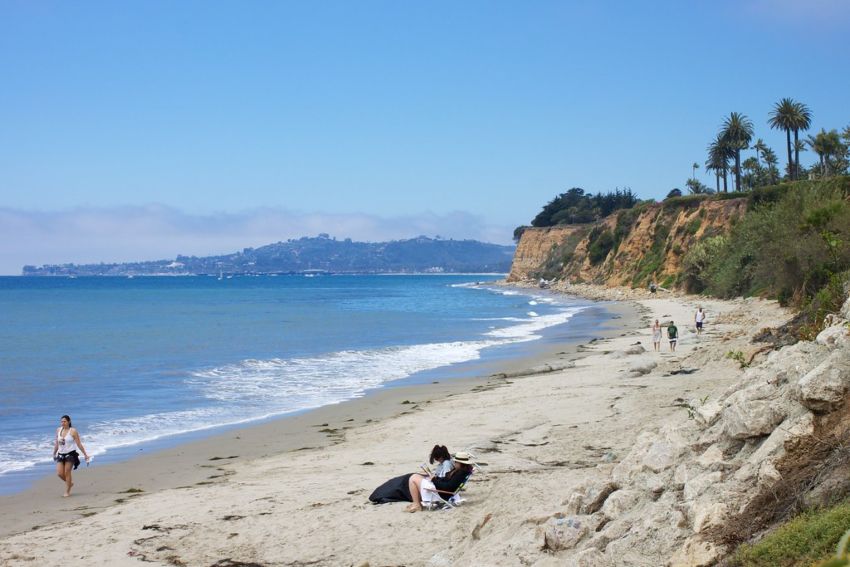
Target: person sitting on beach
65,452
672,335
656,336
446,486
440,455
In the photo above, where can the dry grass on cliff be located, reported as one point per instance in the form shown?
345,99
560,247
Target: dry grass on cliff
815,474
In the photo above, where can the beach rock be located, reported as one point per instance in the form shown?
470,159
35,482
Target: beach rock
697,485
836,336
620,502
708,513
591,558
440,559
564,533
695,553
768,475
684,473
802,425
635,349
631,464
770,448
751,418
589,498
641,368
660,456
824,387
707,414
845,309
713,455
612,531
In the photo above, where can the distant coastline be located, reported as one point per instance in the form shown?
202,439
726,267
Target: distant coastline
321,255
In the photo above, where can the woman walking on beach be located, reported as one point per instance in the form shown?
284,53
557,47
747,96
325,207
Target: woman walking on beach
656,336
65,452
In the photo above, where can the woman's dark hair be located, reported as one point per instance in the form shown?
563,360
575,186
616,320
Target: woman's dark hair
439,452
68,417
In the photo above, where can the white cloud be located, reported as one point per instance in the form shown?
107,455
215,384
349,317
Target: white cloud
154,232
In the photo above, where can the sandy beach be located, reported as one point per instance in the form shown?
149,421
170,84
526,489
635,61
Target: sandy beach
294,491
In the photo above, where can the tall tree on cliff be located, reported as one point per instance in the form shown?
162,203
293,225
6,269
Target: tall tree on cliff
718,160
803,122
737,132
771,161
791,116
827,145
760,147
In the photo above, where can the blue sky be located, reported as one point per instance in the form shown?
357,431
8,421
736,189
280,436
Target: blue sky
140,130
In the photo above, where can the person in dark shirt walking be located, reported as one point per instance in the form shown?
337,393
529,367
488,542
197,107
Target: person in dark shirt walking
672,335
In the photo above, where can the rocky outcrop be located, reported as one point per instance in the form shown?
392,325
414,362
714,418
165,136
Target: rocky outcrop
684,494
535,247
645,244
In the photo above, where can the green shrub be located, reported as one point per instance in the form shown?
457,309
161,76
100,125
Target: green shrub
826,300
560,256
693,226
600,246
730,195
811,536
687,201
698,259
791,246
767,195
518,232
654,258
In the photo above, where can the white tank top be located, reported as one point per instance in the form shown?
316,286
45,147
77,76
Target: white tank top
66,444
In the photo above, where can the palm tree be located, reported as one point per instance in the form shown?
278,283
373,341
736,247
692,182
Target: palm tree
718,160
694,168
771,162
760,147
783,117
803,120
752,172
826,145
737,132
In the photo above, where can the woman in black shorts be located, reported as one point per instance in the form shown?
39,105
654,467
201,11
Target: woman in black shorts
65,452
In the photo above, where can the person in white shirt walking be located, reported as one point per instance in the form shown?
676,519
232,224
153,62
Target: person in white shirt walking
65,452
699,319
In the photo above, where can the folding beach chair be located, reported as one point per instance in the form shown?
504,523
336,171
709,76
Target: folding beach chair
441,500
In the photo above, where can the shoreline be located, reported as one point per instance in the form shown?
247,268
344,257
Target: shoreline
193,461
538,437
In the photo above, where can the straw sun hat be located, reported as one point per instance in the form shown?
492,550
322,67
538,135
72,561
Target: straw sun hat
463,457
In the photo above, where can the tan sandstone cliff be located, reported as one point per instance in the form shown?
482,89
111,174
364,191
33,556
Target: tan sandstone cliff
632,247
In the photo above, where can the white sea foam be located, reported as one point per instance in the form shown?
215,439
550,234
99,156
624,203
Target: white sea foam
256,389
530,329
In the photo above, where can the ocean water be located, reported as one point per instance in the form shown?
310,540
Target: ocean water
143,360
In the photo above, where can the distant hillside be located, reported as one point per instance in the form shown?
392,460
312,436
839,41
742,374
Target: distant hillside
323,253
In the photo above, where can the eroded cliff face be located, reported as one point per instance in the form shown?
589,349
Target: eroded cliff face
632,247
535,247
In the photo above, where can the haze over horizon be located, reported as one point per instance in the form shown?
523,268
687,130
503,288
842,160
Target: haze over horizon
142,131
